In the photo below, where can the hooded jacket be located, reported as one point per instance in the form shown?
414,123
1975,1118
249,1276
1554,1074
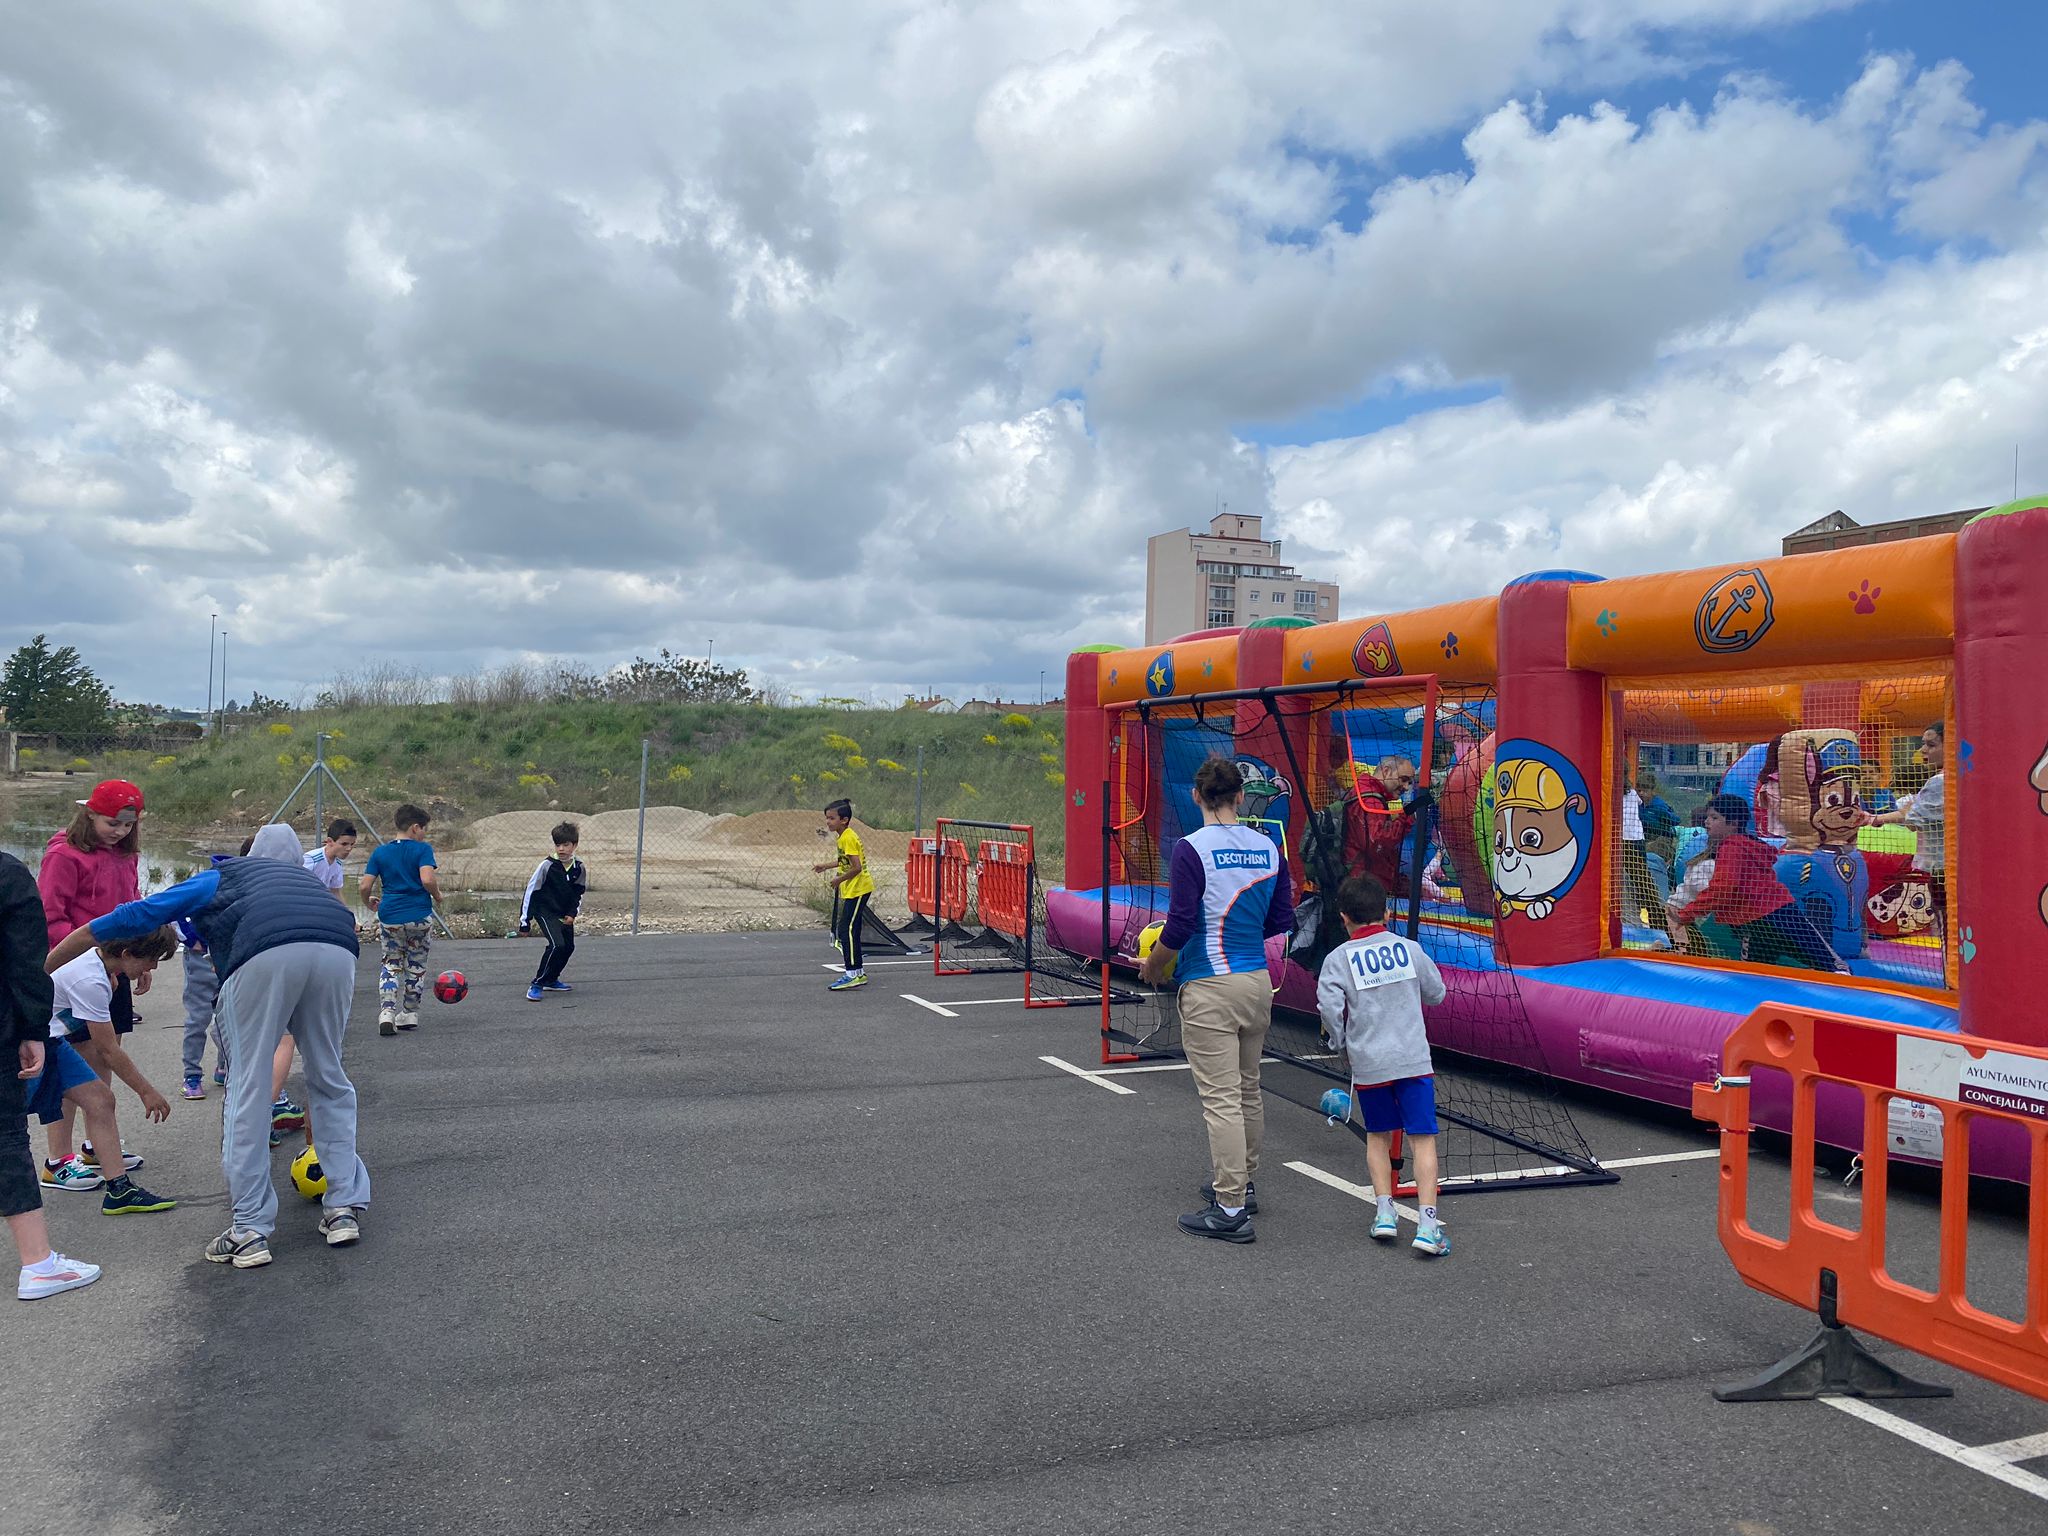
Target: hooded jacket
78,886
244,906
26,994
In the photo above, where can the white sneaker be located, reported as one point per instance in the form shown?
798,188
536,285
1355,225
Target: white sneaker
55,1274
69,1174
408,1021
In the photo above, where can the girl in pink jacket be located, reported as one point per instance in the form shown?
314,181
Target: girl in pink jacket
90,869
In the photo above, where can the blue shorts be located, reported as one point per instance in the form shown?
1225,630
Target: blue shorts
1406,1104
63,1070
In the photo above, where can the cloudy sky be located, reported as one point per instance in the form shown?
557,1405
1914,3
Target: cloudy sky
864,343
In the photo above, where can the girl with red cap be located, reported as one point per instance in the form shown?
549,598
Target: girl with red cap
89,869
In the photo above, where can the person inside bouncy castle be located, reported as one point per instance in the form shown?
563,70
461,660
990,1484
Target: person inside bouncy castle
1744,893
90,868
1377,822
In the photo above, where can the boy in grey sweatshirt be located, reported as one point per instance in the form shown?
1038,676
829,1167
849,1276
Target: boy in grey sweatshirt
1371,994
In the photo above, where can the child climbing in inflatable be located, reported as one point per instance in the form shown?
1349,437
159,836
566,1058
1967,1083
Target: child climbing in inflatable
1745,893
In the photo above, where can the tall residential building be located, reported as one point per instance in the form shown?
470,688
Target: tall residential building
1230,575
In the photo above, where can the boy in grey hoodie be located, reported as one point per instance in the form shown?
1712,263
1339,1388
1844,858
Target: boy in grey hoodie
1371,994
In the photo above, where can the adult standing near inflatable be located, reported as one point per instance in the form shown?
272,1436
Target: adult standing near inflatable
286,953
1230,893
89,869
1927,814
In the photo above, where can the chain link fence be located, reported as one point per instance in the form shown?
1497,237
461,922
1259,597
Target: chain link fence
673,869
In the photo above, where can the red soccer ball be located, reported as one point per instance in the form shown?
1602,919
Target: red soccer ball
451,986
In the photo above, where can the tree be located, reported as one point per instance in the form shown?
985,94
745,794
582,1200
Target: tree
53,690
679,680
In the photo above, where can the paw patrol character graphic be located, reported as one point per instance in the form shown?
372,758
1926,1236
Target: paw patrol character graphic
2038,779
1821,774
1542,828
1905,906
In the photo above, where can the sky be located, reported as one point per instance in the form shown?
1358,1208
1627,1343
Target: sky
864,344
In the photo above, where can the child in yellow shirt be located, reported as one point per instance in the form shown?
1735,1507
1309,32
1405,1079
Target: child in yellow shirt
854,886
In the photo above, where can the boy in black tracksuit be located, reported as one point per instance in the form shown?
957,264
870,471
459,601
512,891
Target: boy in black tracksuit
553,896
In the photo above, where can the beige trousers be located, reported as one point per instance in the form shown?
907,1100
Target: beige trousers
1223,1024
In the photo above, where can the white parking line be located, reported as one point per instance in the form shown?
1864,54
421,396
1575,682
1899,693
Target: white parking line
2026,1448
926,962
1086,1076
1986,1459
1355,1191
944,1013
1158,1066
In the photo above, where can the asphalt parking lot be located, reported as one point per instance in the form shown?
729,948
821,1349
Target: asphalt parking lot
700,1246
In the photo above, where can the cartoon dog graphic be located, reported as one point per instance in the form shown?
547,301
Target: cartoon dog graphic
2038,780
1536,852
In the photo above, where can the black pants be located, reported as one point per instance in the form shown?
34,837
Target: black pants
19,1188
561,939
1786,936
846,921
121,1008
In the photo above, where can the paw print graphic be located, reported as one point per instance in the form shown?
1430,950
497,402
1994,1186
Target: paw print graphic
1969,945
1864,598
1449,644
1608,620
1966,756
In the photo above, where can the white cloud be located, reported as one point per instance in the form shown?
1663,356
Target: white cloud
870,341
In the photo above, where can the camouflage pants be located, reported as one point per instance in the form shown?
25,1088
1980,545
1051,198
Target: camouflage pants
404,968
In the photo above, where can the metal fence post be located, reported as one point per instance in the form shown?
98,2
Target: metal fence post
917,816
640,841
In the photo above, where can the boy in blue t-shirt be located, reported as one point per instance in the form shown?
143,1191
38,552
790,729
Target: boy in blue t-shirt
405,913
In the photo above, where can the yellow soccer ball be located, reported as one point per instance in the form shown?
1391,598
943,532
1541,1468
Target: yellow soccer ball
1148,939
308,1177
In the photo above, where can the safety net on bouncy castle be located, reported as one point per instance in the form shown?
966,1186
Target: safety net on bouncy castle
1800,824
1380,777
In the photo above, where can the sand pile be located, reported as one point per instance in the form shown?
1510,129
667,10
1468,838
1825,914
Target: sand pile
702,872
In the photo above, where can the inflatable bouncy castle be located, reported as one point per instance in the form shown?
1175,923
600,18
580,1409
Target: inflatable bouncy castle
1628,812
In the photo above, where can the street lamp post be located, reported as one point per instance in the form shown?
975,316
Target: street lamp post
212,624
1041,685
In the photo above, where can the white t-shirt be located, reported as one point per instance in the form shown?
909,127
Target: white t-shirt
329,870
85,994
1631,816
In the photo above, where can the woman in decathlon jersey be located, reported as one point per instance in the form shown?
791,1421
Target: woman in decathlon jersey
1230,893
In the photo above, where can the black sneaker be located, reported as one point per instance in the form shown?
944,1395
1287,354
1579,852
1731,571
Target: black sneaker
1251,1197
1211,1222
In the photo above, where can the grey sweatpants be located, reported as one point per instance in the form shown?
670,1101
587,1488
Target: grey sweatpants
305,988
202,991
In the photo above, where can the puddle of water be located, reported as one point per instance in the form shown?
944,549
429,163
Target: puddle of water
162,863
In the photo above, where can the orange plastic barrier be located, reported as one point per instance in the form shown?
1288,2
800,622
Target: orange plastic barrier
1003,878
1842,1274
921,873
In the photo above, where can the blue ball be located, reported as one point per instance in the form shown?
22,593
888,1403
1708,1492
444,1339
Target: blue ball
1337,1104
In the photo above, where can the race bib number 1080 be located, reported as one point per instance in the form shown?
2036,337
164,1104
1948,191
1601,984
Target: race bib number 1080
1374,965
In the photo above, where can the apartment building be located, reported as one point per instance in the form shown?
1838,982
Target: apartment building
1838,530
1229,575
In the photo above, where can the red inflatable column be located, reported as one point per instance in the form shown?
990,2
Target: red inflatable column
1087,768
1546,781
1998,799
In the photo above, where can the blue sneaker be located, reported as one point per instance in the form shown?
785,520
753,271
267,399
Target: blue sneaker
1434,1241
1386,1226
558,986
848,981
220,1077
533,994
195,1086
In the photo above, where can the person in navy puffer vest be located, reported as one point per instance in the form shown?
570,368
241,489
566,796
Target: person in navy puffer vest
286,953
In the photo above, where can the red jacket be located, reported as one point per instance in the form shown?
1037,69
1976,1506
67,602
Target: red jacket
78,887
1743,887
1375,827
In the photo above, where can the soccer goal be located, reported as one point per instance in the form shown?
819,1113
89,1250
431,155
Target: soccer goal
1368,776
978,884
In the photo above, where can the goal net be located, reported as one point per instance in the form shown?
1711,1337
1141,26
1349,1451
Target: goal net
978,884
1382,777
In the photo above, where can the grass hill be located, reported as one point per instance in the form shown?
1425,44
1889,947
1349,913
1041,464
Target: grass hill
479,760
